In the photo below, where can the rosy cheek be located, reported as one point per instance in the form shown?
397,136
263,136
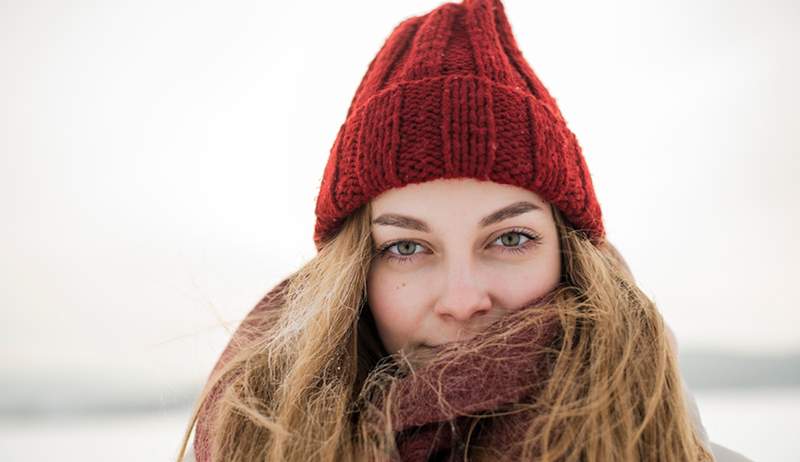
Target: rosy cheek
395,310
513,288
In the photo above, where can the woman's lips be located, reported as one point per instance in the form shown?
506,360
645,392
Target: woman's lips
422,353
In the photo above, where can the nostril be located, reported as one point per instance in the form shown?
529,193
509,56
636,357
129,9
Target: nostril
463,315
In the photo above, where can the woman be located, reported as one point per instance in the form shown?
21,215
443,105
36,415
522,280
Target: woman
464,303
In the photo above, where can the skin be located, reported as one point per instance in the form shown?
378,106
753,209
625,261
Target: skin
430,287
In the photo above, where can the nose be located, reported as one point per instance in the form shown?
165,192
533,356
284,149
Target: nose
462,297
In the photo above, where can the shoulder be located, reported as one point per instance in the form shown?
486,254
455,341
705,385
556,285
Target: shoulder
189,455
720,453
723,454
247,331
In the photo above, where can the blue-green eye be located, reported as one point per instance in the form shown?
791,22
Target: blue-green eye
517,241
405,251
512,239
406,248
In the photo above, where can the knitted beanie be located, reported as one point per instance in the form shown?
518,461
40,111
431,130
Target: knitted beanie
449,95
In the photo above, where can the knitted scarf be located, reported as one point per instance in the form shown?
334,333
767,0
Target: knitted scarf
434,406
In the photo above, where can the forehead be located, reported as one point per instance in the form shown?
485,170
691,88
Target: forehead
456,201
452,191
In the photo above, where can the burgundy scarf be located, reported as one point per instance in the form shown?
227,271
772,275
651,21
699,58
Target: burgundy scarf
432,425
429,427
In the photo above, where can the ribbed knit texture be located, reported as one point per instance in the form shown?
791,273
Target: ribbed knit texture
431,404
449,95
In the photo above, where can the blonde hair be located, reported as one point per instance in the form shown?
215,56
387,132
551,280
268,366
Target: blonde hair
301,374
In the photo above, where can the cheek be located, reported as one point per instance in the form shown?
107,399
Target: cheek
396,306
516,286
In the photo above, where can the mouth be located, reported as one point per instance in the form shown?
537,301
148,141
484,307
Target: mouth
422,353
433,346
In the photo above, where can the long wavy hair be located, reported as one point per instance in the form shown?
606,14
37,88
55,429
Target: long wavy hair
301,375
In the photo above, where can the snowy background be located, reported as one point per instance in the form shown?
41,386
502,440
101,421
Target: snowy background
159,164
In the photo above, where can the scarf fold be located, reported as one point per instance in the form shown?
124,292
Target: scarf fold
433,405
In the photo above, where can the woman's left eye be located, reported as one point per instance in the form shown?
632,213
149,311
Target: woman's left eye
517,241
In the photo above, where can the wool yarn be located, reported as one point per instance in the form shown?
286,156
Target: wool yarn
449,95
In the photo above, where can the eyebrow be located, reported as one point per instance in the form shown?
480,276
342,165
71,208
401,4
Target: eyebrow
402,221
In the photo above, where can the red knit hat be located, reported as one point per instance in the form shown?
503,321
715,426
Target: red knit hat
449,95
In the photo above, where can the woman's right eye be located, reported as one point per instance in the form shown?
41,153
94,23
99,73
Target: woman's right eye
406,250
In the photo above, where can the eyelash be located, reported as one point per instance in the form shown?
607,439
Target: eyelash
533,240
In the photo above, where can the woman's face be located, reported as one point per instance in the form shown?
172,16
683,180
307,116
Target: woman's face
454,255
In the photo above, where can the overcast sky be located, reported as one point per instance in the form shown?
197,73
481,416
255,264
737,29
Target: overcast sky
159,162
